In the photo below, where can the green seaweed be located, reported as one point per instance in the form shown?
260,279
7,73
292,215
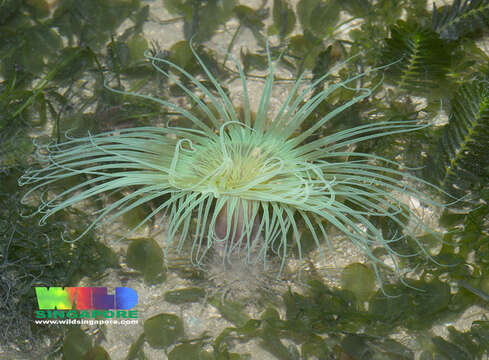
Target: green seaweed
146,256
230,310
359,279
201,18
33,255
163,330
283,18
459,165
77,345
136,350
189,351
460,18
420,59
187,295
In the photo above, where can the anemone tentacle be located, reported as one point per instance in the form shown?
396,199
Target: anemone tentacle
255,179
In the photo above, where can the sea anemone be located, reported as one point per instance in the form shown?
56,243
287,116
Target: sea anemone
248,184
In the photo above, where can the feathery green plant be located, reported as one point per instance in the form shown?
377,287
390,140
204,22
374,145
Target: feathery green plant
460,18
247,181
461,166
420,59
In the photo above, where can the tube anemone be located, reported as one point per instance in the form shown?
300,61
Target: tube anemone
246,182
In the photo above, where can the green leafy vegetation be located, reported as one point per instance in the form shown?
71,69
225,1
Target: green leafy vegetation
420,59
146,256
460,18
201,19
163,330
33,255
460,165
187,295
77,345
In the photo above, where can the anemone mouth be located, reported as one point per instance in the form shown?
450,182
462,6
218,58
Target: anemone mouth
225,167
238,170
248,165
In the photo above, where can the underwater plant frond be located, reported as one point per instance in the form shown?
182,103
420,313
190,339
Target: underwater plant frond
420,59
240,187
460,18
461,165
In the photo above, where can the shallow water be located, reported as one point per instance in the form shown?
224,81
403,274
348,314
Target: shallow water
335,309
